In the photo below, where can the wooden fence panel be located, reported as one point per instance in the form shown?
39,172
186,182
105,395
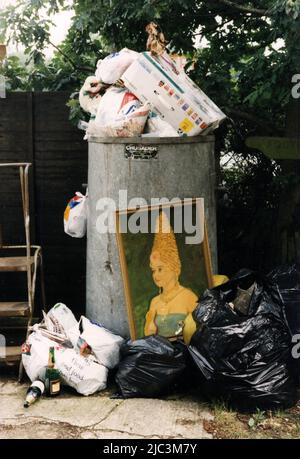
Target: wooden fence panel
35,128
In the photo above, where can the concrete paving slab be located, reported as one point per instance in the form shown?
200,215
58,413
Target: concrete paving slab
38,431
98,416
77,411
8,387
110,435
162,418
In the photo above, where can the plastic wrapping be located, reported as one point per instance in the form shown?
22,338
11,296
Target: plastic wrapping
60,319
75,216
244,358
89,95
149,367
156,127
104,344
120,114
84,374
110,69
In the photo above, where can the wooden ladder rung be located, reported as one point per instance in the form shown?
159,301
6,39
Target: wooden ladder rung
13,264
14,309
10,354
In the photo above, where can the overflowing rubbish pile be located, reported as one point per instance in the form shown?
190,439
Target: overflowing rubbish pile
240,351
242,346
82,352
146,94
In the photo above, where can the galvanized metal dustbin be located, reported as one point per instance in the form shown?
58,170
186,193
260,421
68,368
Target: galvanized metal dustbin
146,168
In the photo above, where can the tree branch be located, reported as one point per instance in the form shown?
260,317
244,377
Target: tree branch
268,127
82,69
244,9
212,28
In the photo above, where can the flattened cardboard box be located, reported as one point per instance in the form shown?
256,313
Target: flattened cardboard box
172,95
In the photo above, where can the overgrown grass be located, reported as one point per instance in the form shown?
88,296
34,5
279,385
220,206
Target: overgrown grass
228,423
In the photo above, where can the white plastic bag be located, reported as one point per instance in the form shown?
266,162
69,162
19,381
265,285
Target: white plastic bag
156,127
82,373
35,355
120,114
105,345
75,216
110,69
60,319
126,126
112,104
89,95
117,102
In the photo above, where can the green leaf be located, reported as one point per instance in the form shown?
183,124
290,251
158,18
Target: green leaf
251,423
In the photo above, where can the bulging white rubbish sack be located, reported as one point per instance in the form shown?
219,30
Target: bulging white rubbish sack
89,95
110,69
82,373
116,102
104,344
35,355
120,114
60,319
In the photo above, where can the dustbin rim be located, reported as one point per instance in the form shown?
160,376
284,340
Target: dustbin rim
153,140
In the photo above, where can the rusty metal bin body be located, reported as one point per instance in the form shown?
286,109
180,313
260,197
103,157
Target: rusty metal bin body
181,167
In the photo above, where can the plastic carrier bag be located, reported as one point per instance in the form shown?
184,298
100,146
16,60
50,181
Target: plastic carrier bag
243,353
35,355
60,319
104,344
75,216
89,95
120,114
84,374
149,367
110,69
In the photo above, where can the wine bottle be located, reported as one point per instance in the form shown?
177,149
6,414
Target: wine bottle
52,377
34,392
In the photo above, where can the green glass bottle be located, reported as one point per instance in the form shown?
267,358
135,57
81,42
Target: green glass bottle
34,392
52,377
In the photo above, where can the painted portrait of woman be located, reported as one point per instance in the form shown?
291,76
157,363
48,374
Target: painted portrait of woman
174,302
164,273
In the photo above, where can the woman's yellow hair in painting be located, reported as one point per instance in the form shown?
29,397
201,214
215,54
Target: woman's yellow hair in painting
164,246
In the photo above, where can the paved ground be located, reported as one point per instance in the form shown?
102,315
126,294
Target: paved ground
99,416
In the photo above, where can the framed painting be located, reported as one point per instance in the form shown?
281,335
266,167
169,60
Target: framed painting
165,264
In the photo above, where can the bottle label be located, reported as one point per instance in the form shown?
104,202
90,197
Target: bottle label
54,387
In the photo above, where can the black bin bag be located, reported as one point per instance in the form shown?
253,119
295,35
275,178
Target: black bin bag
288,279
244,357
149,366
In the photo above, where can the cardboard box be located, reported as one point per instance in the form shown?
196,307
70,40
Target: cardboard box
172,94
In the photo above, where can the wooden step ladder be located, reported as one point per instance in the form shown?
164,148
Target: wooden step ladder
29,260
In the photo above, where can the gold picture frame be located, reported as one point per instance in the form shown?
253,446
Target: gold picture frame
135,267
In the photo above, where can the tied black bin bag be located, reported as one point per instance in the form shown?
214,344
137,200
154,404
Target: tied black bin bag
149,367
242,346
287,277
